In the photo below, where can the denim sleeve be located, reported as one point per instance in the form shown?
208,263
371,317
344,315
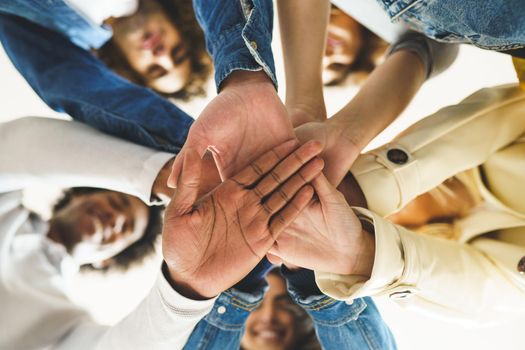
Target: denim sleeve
340,325
238,35
224,326
72,80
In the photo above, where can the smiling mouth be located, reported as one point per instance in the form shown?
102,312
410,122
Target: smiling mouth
270,335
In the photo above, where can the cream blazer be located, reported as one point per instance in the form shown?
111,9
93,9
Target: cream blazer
475,277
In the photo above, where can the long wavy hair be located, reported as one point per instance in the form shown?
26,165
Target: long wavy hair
181,13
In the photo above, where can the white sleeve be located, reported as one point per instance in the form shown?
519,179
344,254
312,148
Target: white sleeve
71,154
164,321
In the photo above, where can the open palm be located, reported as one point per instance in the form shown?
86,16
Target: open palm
212,243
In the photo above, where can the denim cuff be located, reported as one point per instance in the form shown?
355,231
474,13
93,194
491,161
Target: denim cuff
233,307
244,46
255,278
301,281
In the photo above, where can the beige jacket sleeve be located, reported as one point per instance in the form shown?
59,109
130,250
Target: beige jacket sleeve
454,139
462,282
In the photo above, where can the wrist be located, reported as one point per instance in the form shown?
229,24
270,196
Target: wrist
365,256
183,286
244,78
302,111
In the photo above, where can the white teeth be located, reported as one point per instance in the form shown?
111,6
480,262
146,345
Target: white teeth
268,335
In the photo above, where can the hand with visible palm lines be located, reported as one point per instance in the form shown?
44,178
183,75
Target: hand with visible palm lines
211,243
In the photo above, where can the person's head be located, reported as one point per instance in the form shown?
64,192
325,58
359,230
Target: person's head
278,323
103,229
351,49
161,46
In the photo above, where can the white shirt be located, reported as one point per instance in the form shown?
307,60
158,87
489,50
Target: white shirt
35,309
97,11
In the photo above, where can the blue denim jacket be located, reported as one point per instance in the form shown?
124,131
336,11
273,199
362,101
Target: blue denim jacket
238,35
491,24
70,79
338,325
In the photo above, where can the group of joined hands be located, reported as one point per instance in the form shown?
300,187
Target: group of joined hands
276,195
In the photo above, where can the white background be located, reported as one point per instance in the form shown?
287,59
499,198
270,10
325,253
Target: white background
110,297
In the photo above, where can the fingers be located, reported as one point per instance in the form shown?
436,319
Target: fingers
280,221
188,184
176,169
284,194
262,165
286,168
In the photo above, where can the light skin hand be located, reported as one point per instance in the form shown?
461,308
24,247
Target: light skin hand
382,98
327,236
245,120
339,152
212,243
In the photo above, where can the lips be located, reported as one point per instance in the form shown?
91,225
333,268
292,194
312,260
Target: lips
269,334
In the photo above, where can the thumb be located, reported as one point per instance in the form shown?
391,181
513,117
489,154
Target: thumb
198,147
188,183
324,189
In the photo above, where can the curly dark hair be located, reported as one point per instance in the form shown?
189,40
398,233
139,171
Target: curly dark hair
182,14
136,252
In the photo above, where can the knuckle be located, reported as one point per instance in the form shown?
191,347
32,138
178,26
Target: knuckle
276,177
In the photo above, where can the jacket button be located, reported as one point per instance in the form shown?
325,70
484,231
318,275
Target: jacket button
521,265
397,156
221,309
253,44
401,294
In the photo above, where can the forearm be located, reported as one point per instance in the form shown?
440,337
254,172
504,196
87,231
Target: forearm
70,154
70,79
462,282
163,320
386,93
303,26
454,139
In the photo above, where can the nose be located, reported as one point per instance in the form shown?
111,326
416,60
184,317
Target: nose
267,312
164,60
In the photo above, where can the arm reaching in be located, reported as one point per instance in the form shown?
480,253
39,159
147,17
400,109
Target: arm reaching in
303,25
211,244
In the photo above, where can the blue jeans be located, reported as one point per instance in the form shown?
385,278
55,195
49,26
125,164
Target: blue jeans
491,24
338,326
72,80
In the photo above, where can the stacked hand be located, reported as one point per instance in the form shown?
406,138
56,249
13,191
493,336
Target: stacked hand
212,243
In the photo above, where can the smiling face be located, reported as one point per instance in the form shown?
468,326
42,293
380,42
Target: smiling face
153,47
273,325
343,44
97,226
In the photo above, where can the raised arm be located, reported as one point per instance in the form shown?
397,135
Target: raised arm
385,94
303,25
247,117
72,80
70,154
